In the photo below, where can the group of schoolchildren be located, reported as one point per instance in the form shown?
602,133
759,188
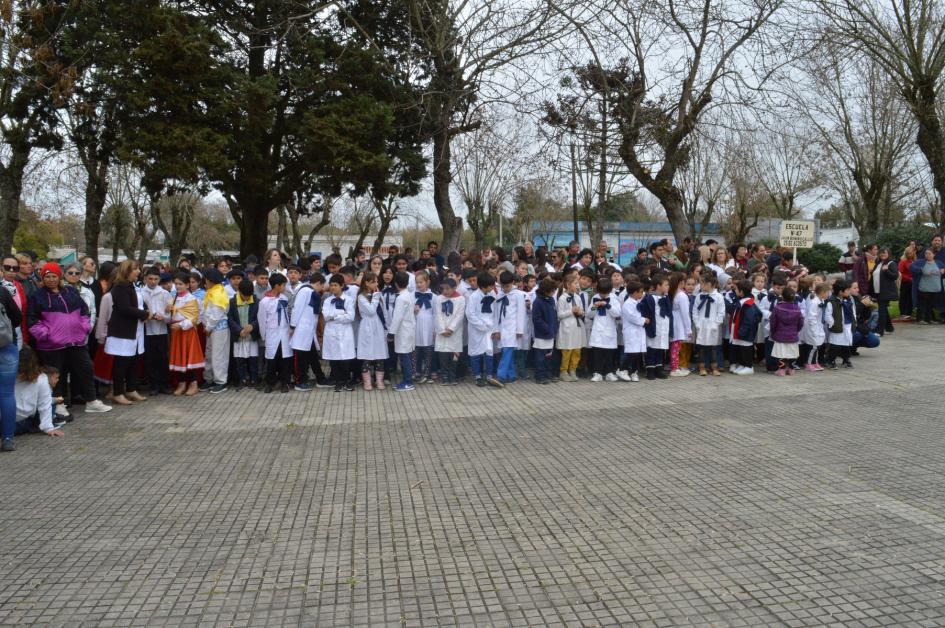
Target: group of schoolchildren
494,324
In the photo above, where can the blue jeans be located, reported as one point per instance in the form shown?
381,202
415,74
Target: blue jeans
424,358
9,363
481,365
406,367
507,372
542,359
710,355
869,341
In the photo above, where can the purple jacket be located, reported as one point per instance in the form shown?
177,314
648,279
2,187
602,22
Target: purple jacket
786,322
58,321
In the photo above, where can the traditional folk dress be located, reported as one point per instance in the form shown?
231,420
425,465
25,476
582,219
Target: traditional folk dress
185,354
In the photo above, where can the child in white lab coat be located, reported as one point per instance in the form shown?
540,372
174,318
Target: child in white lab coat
449,308
423,309
481,316
510,318
372,332
634,334
274,328
403,327
306,308
603,316
708,317
338,345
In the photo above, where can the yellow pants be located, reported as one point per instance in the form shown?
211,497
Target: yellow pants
685,355
570,358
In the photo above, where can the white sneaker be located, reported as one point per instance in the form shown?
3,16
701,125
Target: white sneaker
596,377
733,367
97,407
634,377
745,370
611,377
623,376
679,373
61,411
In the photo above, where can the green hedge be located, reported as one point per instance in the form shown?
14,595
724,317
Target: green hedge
819,258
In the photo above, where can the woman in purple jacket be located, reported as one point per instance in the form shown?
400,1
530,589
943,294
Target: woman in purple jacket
59,326
786,323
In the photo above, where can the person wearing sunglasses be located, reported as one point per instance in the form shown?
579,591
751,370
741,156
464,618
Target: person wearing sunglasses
10,281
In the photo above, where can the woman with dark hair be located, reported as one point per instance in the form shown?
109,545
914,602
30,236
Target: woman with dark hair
125,340
519,255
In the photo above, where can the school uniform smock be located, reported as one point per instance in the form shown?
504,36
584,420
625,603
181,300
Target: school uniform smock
449,314
304,319
814,331
603,316
525,300
708,317
425,325
510,318
338,342
274,325
372,329
682,319
403,324
661,322
571,328
480,316
634,332
843,317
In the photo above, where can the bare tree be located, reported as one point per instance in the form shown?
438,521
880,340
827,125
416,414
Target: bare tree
784,164
462,46
703,182
866,131
679,57
488,164
745,200
174,215
906,39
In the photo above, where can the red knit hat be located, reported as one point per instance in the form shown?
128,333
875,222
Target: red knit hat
50,267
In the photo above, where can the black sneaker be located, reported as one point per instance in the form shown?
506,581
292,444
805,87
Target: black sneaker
339,388
349,387
267,389
7,444
480,382
216,390
661,374
831,366
650,374
284,388
205,386
323,383
848,365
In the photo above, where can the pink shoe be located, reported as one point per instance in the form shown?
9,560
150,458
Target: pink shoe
818,367
780,373
810,367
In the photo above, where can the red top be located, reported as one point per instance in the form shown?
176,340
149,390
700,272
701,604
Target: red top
904,271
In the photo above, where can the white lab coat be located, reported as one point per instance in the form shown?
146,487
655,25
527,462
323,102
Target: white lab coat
512,322
454,322
634,333
604,328
843,338
525,301
708,329
304,320
480,325
682,319
274,328
403,324
372,335
571,332
338,341
426,328
661,339
814,333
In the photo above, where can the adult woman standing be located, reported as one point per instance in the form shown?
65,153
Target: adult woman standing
87,276
9,363
59,324
73,277
927,276
15,288
905,283
274,262
125,338
883,289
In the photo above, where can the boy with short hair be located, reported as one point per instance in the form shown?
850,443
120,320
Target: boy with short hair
216,305
243,318
403,328
274,328
156,346
483,330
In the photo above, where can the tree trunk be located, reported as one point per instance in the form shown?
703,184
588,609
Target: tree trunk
296,232
672,202
96,192
442,162
381,234
574,204
931,140
11,188
597,231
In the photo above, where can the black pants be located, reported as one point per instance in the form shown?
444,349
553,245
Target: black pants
632,362
306,360
341,372
905,298
124,374
156,359
744,356
603,360
279,369
885,323
926,304
74,363
835,351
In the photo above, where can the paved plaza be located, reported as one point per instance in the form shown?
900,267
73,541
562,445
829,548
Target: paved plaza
812,500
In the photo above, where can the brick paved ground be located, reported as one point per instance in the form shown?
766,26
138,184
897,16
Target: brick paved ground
731,501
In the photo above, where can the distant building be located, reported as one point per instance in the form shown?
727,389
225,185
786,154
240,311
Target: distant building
623,238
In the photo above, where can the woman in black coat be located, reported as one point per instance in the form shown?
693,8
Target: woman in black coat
125,338
883,289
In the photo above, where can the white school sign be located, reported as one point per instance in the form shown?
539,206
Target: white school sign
797,234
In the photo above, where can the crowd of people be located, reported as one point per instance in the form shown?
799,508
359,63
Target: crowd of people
111,336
